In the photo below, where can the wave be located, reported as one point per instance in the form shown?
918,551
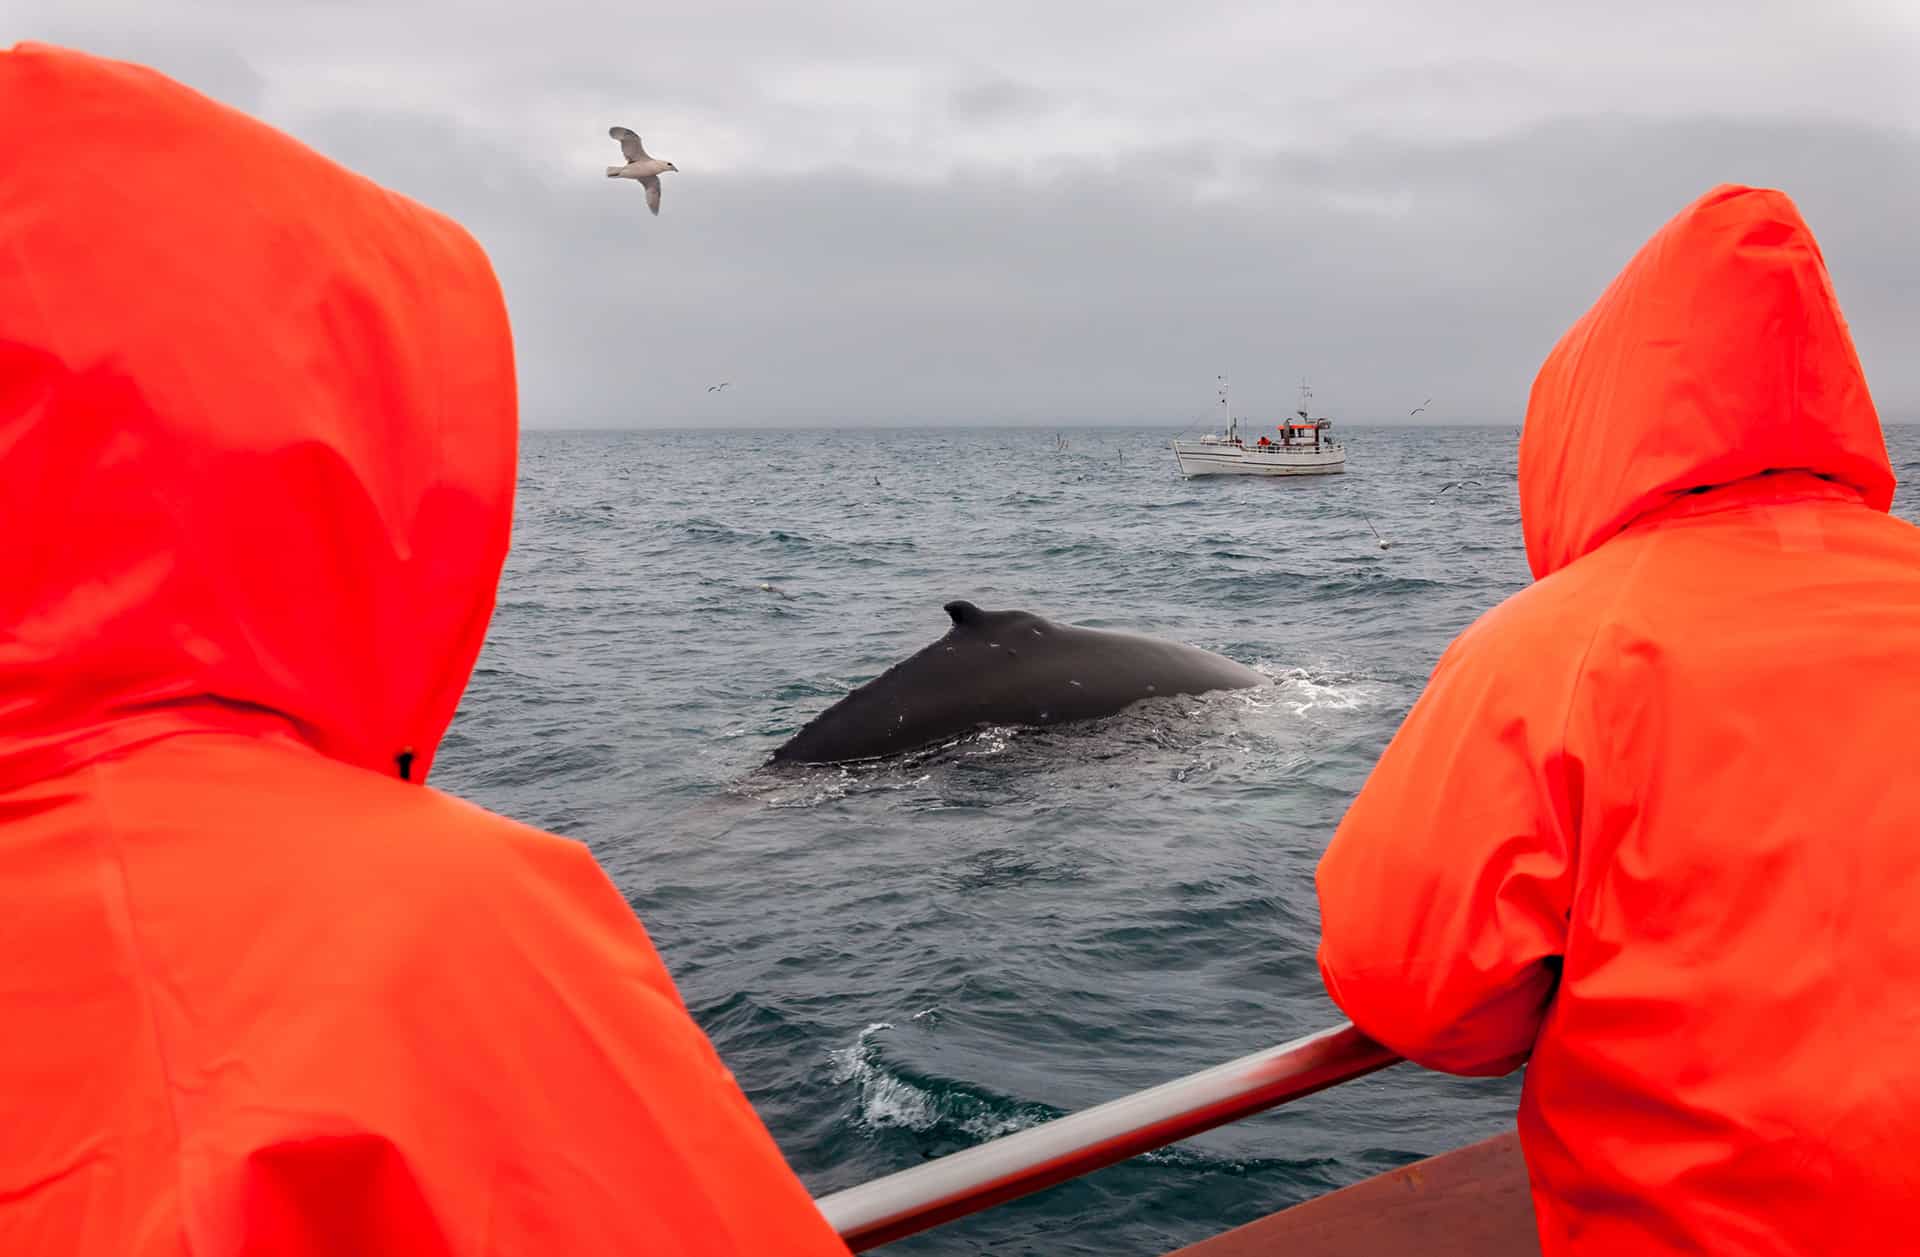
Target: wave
886,1098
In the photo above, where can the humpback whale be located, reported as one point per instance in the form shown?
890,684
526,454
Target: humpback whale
1006,668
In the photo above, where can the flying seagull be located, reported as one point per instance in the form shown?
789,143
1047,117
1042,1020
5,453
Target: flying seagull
714,388
1384,543
1451,483
1422,406
639,166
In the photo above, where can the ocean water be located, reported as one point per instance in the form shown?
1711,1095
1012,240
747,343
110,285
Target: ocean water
903,959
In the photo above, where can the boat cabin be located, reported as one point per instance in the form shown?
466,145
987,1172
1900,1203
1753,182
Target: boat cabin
1299,432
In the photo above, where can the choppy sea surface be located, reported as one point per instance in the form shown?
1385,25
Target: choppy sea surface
902,959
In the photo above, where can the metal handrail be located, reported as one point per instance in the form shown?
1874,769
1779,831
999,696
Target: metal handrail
1003,1169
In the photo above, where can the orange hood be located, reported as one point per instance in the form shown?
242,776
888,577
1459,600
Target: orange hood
1718,354
257,432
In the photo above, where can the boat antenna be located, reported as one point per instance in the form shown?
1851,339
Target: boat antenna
1306,395
1233,430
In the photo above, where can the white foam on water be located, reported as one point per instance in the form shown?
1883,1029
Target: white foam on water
855,1061
1302,692
885,1101
985,1126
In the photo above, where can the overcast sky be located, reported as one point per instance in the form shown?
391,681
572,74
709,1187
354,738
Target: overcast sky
1075,211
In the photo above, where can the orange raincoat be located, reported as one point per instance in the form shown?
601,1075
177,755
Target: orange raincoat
1654,826
262,993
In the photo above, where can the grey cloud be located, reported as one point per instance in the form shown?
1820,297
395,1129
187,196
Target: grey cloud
998,100
961,217
205,63
1384,270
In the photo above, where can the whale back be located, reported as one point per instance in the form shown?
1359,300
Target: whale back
1006,668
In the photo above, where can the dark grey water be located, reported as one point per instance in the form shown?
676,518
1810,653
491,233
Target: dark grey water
900,961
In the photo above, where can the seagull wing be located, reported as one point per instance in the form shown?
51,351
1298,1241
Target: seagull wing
629,144
652,184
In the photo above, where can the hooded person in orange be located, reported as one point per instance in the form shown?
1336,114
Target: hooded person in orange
264,991
1652,827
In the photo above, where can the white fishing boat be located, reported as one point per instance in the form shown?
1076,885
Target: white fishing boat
1303,448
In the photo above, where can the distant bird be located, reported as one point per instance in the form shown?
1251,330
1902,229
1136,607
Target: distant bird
1422,406
639,166
1451,483
766,588
1384,543
714,388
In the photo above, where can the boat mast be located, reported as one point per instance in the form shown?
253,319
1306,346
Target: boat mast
1233,431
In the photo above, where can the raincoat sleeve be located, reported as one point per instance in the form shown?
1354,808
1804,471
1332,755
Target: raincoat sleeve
1445,891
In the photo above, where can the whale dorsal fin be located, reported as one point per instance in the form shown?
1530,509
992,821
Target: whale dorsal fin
964,613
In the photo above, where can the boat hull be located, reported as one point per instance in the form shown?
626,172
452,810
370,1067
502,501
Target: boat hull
1471,1202
1235,460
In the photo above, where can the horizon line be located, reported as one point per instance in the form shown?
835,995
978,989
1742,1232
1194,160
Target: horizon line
1002,426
